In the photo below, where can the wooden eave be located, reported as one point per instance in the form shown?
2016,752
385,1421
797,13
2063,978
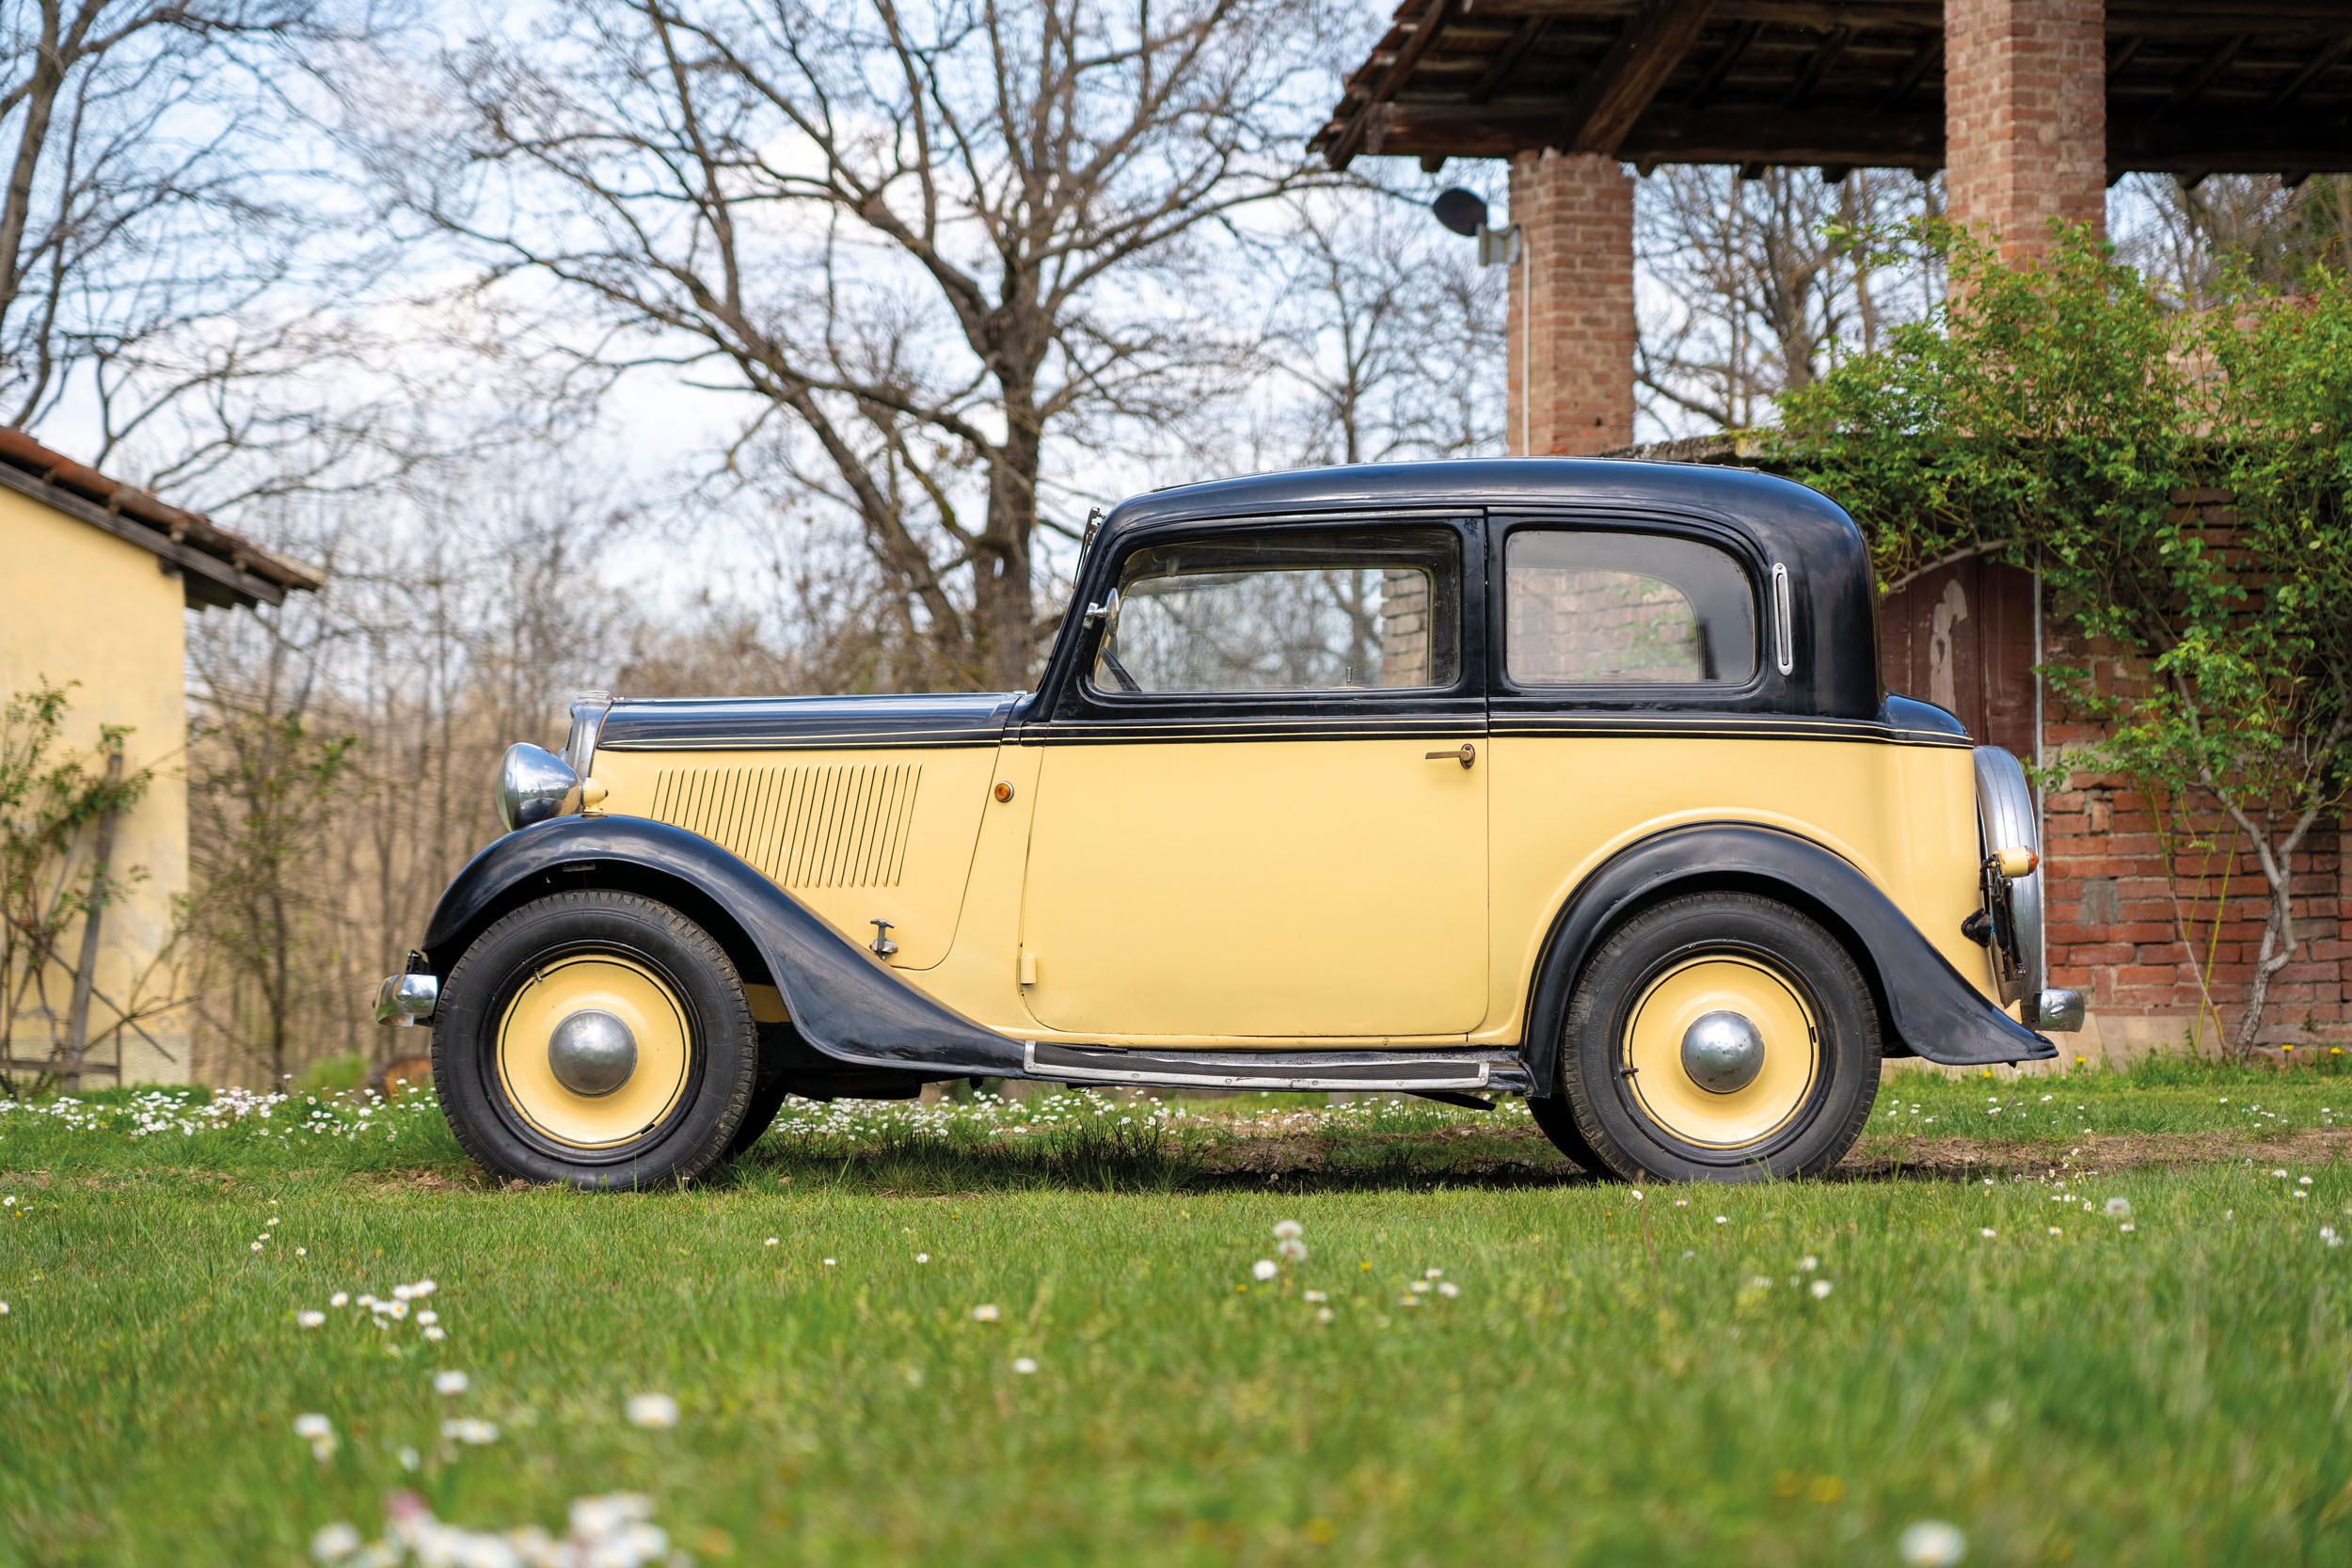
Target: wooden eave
2193,85
215,567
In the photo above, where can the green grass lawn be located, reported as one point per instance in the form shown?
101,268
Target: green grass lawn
1790,1374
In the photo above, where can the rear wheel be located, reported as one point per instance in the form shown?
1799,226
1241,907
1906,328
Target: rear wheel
1719,1036
596,1038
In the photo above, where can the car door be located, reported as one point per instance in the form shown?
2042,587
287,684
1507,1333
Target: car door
1261,805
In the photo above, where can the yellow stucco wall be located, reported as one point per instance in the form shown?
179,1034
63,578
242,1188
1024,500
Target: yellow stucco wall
79,604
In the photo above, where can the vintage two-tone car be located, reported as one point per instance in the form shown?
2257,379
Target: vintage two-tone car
1558,778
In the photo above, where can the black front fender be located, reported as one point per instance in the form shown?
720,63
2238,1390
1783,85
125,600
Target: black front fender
1929,1008
842,1000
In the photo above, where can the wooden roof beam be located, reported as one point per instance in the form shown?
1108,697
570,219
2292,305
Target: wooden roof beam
1607,101
1737,136
2199,79
1434,16
1506,59
2162,19
1719,68
2231,142
1809,76
1916,71
2303,78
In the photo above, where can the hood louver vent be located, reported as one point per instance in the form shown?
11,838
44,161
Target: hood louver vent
811,826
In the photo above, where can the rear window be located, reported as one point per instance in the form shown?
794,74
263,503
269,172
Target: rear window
1589,607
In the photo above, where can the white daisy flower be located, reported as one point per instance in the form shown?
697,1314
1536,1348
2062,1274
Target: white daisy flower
1934,1544
652,1411
334,1543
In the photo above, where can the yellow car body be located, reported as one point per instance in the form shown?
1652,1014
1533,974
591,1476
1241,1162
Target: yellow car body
1352,777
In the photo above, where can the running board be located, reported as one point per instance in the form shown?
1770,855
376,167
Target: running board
1276,1069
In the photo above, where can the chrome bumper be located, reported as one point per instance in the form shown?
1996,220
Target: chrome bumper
407,999
2059,1011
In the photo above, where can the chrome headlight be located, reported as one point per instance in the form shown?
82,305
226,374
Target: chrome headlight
533,785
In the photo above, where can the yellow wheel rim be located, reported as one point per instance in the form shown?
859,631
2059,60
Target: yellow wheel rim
594,983
1776,1015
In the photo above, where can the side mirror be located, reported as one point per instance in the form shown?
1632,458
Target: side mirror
1105,614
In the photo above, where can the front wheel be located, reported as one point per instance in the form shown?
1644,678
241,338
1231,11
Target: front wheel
596,1038
1720,1036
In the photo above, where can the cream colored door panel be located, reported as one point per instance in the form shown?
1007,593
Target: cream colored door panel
856,835
1258,888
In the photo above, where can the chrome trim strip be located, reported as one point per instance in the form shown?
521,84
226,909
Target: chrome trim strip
1783,634
1169,1072
406,1000
768,741
588,711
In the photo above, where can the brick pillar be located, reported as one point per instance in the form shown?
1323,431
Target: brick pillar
1571,305
2024,118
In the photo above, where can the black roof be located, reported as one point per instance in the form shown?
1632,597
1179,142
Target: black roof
1836,603
1788,521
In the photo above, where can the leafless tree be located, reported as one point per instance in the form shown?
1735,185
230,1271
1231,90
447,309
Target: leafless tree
1752,287
163,249
925,239
1387,338
343,743
2185,236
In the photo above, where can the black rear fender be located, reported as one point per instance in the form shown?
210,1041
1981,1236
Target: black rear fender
1926,1006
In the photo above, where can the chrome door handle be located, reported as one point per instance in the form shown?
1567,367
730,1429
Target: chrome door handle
1468,755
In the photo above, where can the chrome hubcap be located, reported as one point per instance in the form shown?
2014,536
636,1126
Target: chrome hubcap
1723,1053
592,1052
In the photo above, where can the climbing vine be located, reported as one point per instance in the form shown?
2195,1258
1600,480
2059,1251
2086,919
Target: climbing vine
51,798
2061,417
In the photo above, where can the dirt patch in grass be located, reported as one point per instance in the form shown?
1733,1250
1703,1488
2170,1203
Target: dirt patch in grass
432,1179
1881,1158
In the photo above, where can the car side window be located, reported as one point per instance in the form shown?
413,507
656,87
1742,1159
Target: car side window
1589,607
1288,610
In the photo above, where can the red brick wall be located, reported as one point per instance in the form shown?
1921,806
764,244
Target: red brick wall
1571,318
2117,931
2025,116
2133,941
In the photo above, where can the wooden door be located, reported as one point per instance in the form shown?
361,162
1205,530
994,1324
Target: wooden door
1962,638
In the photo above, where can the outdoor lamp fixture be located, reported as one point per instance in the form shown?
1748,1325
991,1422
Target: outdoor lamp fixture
1464,212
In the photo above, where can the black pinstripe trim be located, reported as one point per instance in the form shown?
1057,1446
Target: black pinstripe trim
1135,731
1718,727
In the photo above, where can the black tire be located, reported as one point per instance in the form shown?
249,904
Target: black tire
767,1099
1616,1123
721,1055
1557,1118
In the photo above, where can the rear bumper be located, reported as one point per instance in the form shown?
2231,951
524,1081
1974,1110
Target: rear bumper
2059,1011
406,1000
